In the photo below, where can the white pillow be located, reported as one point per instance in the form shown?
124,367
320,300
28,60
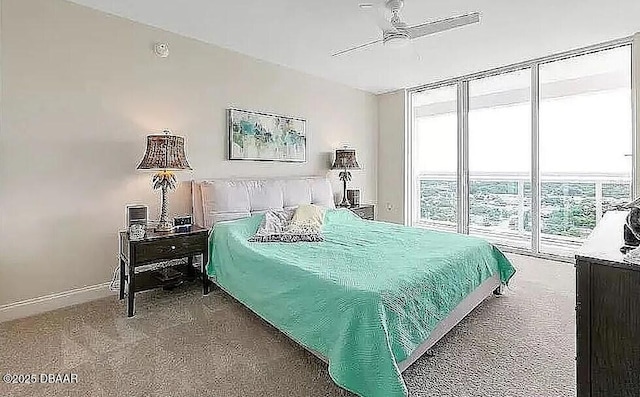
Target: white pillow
309,215
276,226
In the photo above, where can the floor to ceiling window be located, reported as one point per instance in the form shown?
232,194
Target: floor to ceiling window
435,157
585,144
529,157
500,157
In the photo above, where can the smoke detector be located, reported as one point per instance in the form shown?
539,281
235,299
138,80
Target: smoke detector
161,49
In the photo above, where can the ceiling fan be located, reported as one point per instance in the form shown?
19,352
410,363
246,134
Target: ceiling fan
396,33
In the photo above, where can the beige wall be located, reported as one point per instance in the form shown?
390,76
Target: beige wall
391,182
81,90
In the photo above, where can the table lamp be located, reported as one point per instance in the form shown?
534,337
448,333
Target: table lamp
345,161
165,154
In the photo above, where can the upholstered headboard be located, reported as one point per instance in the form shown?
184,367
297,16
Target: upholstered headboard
218,200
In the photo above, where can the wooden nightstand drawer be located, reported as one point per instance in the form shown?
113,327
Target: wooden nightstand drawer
178,247
364,211
158,247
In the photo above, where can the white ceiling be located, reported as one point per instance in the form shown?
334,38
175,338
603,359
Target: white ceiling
301,34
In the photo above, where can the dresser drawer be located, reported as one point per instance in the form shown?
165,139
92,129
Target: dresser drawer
163,249
364,212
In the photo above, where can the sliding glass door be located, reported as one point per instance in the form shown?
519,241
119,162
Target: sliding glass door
435,147
530,157
585,144
500,158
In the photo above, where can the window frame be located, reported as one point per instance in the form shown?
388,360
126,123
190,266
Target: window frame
462,84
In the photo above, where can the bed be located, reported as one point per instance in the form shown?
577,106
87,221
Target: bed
369,300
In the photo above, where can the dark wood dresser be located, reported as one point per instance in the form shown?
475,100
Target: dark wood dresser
608,314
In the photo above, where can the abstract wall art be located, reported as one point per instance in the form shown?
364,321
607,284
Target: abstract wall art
264,136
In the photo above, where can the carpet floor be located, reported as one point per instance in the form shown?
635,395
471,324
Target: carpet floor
183,344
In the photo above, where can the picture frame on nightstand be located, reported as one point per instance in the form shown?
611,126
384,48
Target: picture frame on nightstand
353,195
182,223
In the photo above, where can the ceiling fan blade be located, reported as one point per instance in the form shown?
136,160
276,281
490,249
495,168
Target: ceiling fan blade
356,48
442,25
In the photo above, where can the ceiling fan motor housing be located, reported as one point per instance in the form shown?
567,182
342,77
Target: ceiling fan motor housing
399,38
394,5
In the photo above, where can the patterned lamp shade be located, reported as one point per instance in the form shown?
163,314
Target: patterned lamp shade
345,159
164,152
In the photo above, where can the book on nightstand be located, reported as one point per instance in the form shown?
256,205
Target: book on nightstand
169,277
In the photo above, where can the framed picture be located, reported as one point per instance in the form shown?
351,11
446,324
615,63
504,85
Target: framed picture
264,136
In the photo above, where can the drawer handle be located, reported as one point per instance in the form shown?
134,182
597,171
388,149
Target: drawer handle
173,247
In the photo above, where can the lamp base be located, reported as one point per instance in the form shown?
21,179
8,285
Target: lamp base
344,177
164,227
165,182
344,203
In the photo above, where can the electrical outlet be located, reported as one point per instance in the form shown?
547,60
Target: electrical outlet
389,207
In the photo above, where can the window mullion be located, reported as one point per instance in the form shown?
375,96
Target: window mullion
535,158
463,157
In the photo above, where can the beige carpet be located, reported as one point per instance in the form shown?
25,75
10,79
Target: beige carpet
183,344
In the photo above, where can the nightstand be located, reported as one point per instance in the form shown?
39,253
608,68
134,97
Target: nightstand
364,211
160,247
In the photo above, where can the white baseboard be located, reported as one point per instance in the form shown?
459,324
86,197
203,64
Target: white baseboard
58,300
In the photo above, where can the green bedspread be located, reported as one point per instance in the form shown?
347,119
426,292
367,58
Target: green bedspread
365,298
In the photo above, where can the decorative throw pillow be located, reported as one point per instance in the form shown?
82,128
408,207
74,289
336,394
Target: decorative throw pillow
309,215
276,226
